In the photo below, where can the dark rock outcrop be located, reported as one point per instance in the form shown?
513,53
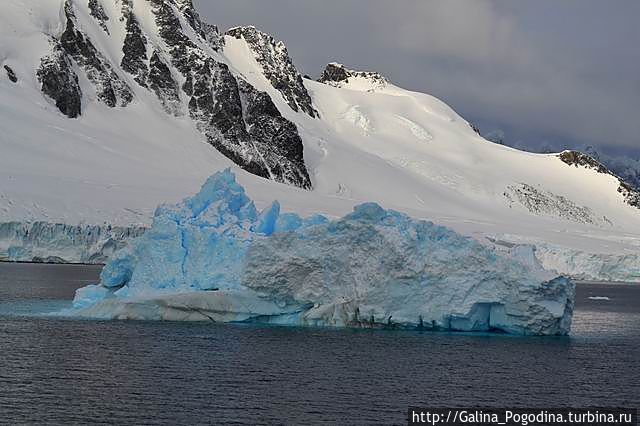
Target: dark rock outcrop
277,67
189,12
579,159
97,11
212,35
170,29
134,48
626,168
276,139
204,30
11,74
162,83
576,158
110,88
337,74
60,83
631,196
239,121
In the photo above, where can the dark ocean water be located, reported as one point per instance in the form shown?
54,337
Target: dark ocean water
57,371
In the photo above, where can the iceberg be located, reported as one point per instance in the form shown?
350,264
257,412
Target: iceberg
215,257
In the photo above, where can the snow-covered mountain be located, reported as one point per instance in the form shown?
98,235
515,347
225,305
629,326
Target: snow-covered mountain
109,107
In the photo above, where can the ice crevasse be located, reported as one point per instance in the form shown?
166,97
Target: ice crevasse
215,257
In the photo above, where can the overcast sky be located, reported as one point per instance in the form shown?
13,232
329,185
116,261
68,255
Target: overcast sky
543,72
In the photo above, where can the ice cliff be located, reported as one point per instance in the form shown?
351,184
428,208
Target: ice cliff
590,266
60,243
216,257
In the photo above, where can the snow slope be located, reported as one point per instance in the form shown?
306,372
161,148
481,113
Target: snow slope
371,141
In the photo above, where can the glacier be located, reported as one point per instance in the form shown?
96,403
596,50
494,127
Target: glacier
587,266
215,257
60,243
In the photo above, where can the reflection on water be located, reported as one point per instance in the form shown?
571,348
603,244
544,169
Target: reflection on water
65,371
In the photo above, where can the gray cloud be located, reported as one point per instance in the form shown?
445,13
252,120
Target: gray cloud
566,72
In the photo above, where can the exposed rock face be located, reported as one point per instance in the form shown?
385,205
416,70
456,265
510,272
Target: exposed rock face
575,158
179,67
212,36
206,31
170,30
189,12
135,58
626,168
60,83
162,83
631,196
276,139
97,11
110,88
335,72
277,67
579,159
237,120
337,75
11,74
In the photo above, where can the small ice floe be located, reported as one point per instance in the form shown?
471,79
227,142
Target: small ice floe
599,298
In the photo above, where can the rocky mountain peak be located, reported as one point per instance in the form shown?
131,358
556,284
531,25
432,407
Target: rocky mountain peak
175,64
203,29
577,158
59,79
277,66
338,75
580,159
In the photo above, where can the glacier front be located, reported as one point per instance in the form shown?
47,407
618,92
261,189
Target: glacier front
215,257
